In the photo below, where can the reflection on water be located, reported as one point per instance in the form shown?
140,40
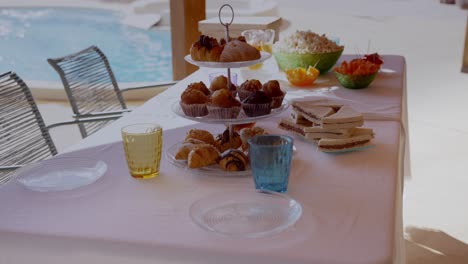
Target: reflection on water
28,36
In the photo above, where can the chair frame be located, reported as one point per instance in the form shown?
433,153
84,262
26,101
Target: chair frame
54,62
44,129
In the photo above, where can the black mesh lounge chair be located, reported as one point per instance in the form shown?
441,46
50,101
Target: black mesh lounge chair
91,86
24,137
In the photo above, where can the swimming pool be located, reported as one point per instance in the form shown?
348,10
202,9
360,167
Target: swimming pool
28,36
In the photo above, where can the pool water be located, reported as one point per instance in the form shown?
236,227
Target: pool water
28,36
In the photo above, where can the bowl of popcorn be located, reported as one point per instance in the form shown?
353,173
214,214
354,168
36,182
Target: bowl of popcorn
358,73
304,49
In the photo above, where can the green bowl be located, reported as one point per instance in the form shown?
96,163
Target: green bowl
294,60
355,81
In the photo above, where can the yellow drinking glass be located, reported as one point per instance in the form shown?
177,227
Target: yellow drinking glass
143,148
260,39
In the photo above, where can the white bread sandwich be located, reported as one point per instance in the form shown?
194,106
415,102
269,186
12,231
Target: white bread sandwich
315,133
361,137
289,124
345,117
311,112
300,119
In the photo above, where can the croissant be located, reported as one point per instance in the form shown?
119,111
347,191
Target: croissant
202,135
184,150
233,160
236,50
202,155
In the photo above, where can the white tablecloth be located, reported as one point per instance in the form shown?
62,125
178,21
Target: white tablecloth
352,202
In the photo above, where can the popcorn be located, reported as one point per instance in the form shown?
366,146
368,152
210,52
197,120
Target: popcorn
304,42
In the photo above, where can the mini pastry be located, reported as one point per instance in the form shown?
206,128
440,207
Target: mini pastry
193,103
199,86
248,87
236,50
273,90
206,49
220,82
223,105
233,160
202,155
224,142
202,135
184,150
248,133
257,104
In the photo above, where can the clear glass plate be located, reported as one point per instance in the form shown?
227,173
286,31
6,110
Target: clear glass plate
241,119
214,169
60,174
237,64
249,213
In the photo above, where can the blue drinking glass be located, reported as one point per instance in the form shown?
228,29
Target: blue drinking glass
270,161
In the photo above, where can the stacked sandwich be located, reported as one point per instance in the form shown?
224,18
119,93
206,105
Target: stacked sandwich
334,128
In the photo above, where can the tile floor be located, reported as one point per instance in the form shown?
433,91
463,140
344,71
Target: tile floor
430,35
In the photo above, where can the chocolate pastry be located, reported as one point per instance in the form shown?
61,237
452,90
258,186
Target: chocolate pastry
223,141
233,160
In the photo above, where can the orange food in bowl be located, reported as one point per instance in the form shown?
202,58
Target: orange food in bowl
302,77
358,67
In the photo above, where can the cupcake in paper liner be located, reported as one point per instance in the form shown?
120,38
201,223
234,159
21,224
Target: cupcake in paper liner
194,110
222,105
248,87
273,90
257,104
193,102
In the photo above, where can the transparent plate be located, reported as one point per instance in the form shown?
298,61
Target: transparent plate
241,119
249,213
60,174
214,169
360,148
238,64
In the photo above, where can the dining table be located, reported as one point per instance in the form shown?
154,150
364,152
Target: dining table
351,202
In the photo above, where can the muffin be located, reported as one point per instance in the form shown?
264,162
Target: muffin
273,90
220,82
248,87
193,103
257,104
223,105
199,86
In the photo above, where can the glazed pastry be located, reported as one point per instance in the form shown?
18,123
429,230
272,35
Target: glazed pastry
199,86
237,50
223,141
202,155
206,49
184,150
233,160
199,134
248,133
